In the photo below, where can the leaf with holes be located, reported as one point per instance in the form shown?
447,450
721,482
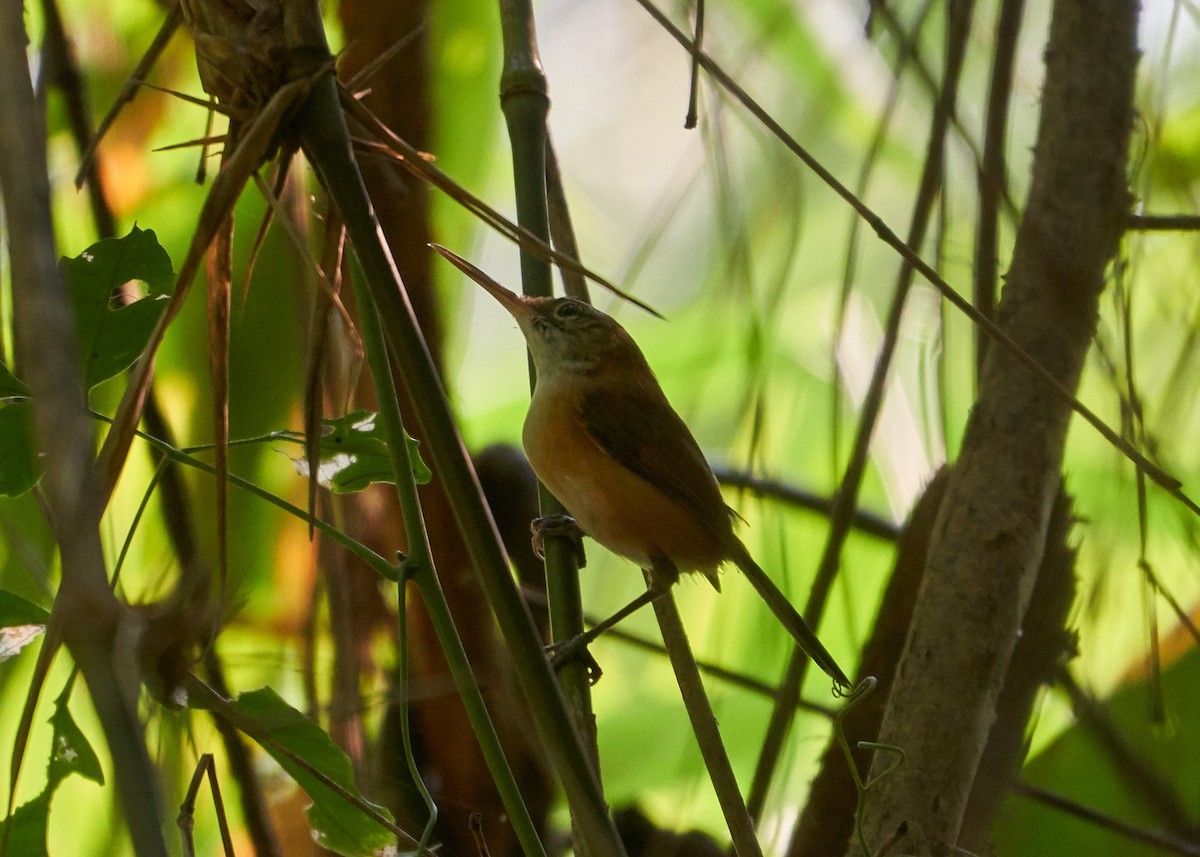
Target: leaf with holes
110,340
354,454
70,753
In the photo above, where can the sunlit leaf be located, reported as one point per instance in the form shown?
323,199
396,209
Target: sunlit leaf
110,340
16,637
21,622
337,824
354,454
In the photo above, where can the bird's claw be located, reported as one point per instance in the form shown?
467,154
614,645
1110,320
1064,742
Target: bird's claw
563,526
565,651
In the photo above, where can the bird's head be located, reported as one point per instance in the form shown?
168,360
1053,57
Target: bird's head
563,334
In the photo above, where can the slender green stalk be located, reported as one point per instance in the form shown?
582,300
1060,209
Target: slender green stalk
525,104
419,565
182,456
405,713
326,141
704,725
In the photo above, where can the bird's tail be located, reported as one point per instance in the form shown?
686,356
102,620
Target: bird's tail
804,636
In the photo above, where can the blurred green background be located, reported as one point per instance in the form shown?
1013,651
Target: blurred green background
747,256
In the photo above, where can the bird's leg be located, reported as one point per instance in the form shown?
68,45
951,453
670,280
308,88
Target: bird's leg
659,578
576,647
558,525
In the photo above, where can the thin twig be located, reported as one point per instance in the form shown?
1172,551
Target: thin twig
63,72
1164,222
689,121
129,90
415,162
866,522
1153,838
731,677
187,809
562,231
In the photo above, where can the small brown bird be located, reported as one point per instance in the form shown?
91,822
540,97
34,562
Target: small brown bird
601,435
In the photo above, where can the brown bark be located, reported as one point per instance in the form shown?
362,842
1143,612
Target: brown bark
1045,645
991,531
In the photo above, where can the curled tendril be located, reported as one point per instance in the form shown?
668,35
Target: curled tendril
860,692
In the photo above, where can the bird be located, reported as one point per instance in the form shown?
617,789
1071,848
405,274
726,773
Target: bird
601,435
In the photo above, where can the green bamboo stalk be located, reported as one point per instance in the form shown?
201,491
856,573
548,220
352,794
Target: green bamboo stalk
524,100
326,141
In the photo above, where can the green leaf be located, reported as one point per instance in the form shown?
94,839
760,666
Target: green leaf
25,829
354,454
15,610
71,753
1080,765
16,637
337,824
19,468
110,340
10,387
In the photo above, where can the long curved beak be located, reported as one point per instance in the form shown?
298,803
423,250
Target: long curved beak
511,301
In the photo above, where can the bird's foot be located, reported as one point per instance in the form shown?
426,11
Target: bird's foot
576,648
563,526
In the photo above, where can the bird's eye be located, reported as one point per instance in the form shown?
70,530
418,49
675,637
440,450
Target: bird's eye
568,310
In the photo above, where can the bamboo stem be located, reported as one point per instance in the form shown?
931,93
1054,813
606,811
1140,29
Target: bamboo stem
524,100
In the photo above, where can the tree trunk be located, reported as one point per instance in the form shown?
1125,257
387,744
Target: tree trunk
991,530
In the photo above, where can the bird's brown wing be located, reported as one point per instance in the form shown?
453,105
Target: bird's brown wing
654,442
